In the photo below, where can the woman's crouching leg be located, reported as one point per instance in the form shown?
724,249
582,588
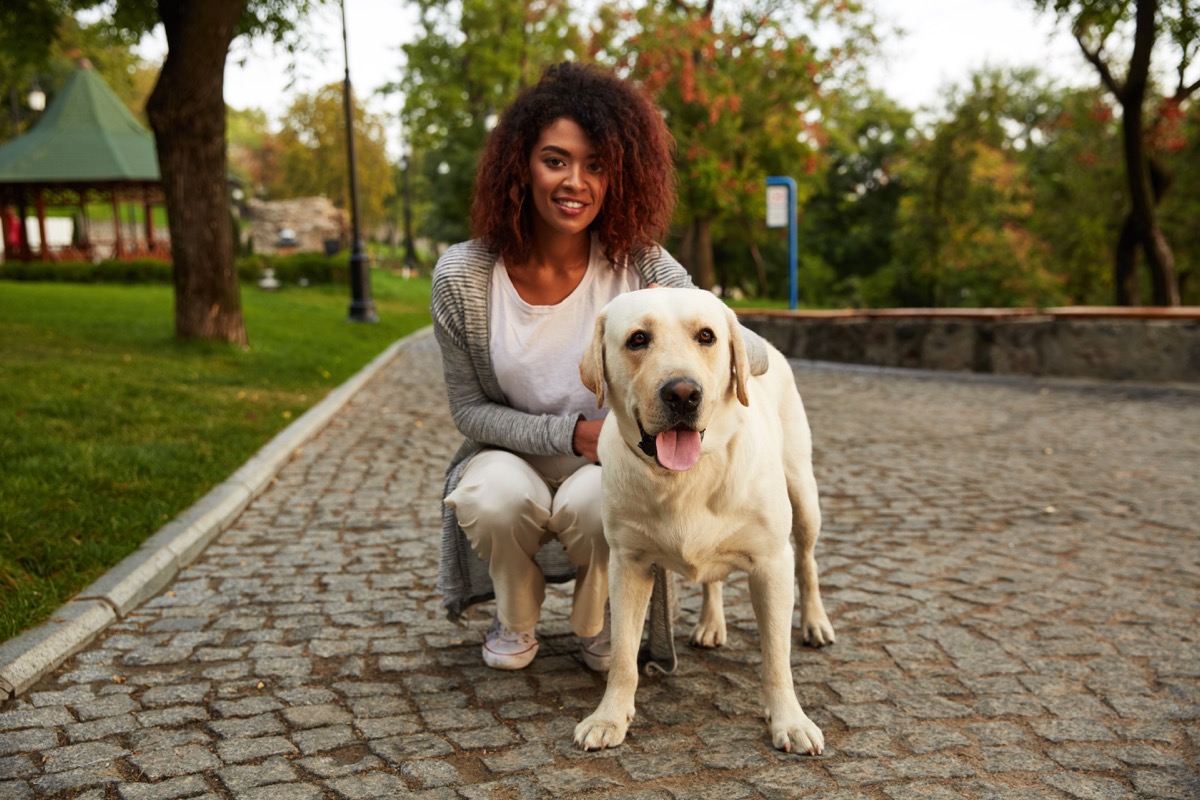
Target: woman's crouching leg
502,505
575,521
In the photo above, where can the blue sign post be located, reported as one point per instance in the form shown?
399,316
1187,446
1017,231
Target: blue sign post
781,212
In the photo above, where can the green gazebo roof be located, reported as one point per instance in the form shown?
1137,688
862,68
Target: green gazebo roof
86,135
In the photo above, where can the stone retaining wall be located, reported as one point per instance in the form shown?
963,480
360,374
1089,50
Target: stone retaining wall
1139,344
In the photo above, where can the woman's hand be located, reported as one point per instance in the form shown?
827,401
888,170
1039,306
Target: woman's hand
587,434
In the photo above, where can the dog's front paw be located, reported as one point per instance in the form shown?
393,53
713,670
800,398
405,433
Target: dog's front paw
598,732
794,732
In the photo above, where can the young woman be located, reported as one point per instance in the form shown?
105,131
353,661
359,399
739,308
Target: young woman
574,185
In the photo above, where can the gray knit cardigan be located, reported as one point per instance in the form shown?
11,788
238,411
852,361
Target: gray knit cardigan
459,306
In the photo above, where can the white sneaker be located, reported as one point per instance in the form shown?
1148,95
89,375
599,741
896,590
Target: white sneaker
505,649
597,650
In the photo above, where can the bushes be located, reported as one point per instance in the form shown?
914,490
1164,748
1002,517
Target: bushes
139,271
289,270
295,268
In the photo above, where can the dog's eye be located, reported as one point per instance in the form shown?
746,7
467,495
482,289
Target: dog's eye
706,336
638,341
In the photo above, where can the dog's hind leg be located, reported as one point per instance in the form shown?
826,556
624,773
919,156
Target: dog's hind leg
710,630
815,628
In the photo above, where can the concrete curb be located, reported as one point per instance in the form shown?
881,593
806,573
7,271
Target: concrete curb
24,659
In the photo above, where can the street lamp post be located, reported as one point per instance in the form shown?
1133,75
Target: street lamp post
362,307
410,250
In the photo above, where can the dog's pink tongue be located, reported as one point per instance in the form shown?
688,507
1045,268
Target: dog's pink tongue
678,450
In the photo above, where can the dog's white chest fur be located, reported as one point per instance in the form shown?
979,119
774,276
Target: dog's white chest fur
705,529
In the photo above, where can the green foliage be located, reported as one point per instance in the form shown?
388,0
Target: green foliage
849,221
311,157
292,269
296,268
115,271
963,234
110,426
742,91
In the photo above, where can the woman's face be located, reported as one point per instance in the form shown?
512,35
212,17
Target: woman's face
567,181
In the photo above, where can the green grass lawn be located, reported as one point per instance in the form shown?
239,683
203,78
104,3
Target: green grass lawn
110,426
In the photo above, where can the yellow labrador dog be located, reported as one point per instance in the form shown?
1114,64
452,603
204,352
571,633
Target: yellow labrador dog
707,469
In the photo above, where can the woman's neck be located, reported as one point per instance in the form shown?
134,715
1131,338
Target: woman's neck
555,267
561,252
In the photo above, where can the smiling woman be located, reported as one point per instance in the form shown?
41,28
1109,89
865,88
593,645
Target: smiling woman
575,183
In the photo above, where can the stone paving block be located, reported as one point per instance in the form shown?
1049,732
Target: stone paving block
316,716
481,738
236,751
517,788
235,727
52,783
1178,783
282,791
175,761
172,716
369,785
187,786
1088,787
27,741
103,728
321,740
340,765
78,756
275,770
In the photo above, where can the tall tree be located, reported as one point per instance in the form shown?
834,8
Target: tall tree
312,154
1101,28
187,113
963,232
850,219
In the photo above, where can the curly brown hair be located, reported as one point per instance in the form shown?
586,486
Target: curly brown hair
631,141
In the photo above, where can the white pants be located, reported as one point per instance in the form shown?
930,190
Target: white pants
509,506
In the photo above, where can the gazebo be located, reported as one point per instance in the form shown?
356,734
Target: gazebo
86,148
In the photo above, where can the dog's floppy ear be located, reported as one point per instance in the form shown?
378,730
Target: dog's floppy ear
591,366
739,362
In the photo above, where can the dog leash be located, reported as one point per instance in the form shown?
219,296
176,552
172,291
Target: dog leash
663,606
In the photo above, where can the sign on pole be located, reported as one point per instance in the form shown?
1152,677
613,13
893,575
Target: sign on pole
777,206
781,213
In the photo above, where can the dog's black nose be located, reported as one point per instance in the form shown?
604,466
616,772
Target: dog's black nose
681,395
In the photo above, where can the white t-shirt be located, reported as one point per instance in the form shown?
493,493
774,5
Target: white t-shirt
536,349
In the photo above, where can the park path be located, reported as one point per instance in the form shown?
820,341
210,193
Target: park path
1012,567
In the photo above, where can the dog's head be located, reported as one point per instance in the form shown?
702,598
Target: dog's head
671,359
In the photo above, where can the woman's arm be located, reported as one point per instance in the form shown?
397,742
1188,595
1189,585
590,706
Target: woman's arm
476,415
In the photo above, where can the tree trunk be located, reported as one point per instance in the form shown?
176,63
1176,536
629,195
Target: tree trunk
760,270
687,249
705,274
1159,258
1127,292
187,111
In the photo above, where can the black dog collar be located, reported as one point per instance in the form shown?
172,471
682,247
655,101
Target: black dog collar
647,445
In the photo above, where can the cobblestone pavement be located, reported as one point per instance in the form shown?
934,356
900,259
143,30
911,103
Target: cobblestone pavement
1013,569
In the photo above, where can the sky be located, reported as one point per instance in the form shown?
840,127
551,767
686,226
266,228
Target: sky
945,41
